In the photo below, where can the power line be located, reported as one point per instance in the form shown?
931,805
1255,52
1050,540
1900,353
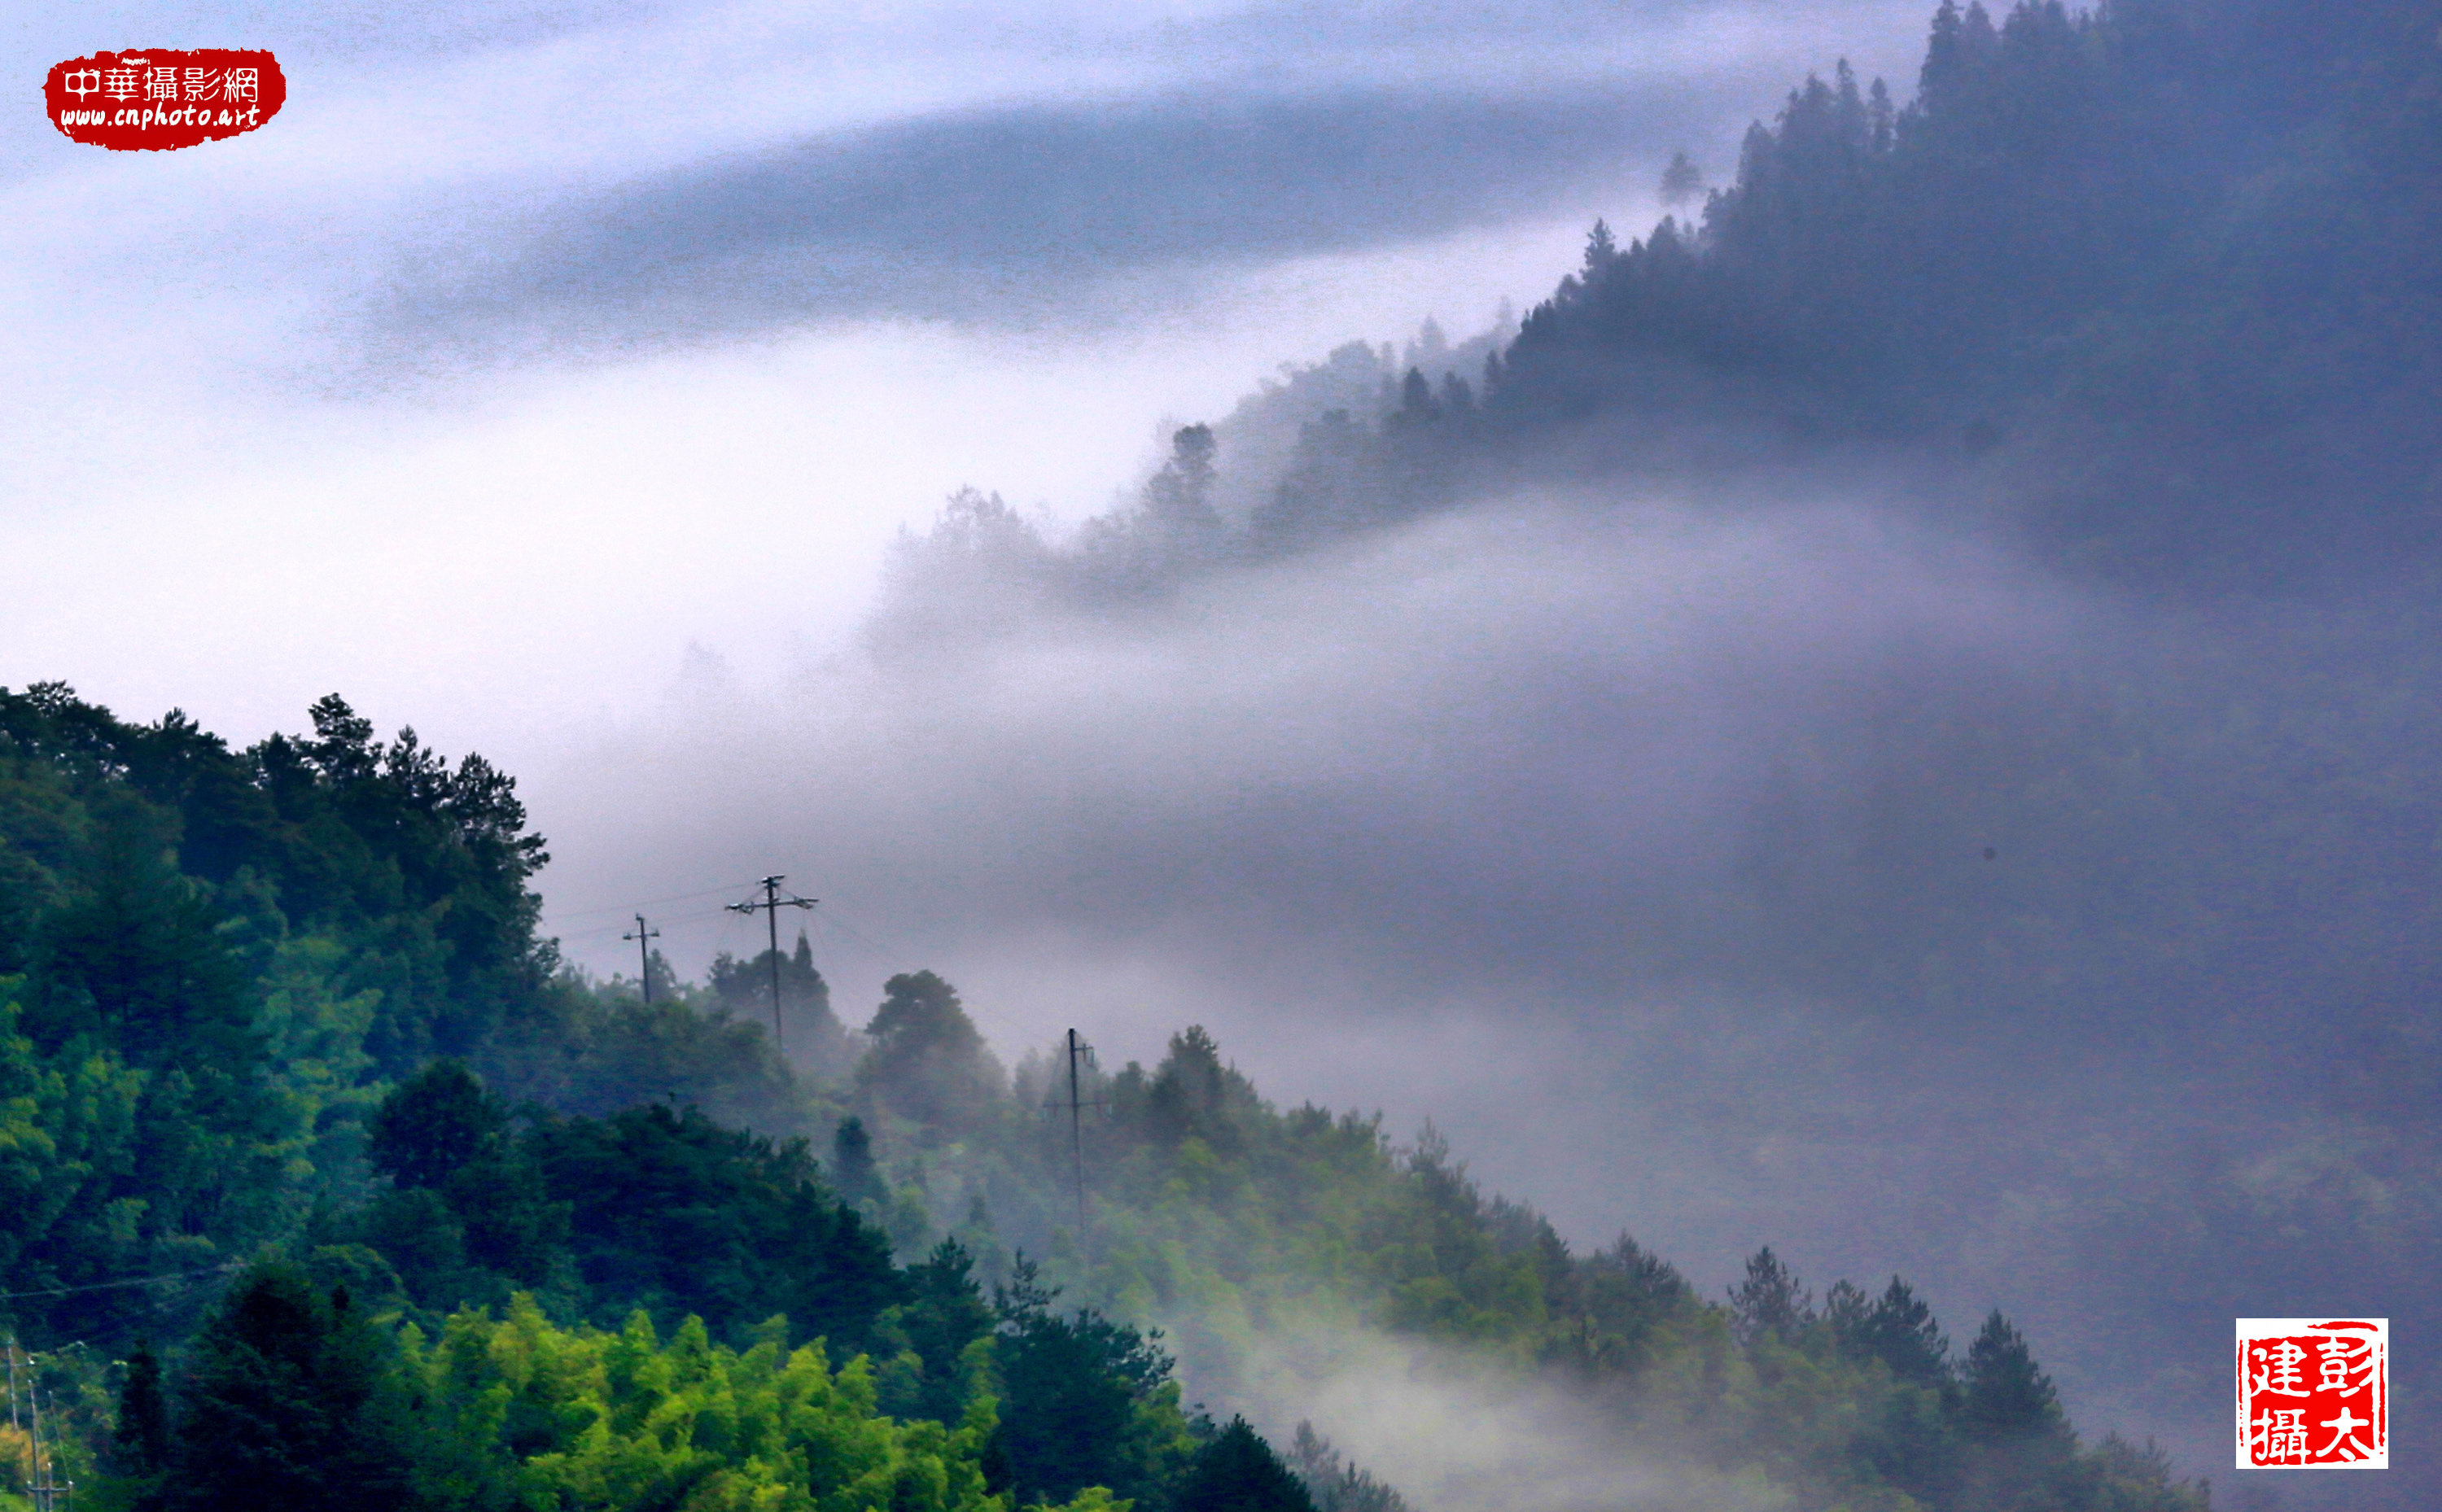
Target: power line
136,1281
648,903
601,931
771,905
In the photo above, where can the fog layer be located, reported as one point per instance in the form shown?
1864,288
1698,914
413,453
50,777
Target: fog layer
1757,872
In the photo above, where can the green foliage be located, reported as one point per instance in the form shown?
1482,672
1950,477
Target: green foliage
1899,1330
812,1030
285,1403
217,962
2006,1398
1239,1472
1334,1484
215,1038
436,1123
927,1061
1769,1303
1242,1226
1090,1402
936,1365
518,1412
673,1213
216,956
587,1048
139,1439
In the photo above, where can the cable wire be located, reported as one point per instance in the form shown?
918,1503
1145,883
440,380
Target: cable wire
136,1281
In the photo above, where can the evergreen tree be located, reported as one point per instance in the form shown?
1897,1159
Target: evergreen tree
1239,1472
1683,182
2005,1396
1085,1399
674,1214
1193,1093
140,1440
283,1405
1602,250
854,1175
927,1061
1334,1484
1770,1303
434,1124
940,1324
1900,1330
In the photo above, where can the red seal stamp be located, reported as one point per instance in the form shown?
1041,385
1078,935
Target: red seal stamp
155,99
2314,1395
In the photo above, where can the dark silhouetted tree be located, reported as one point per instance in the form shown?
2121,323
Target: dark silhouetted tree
1239,1472
1769,1302
1073,1389
927,1061
139,1441
854,1175
1683,182
283,1405
1901,1331
435,1123
1193,1092
946,1314
2005,1396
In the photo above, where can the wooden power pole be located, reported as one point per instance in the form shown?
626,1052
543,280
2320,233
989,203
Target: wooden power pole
644,955
770,905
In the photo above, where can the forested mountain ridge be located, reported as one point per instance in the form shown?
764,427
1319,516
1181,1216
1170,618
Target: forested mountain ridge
2154,284
319,1172
2178,260
247,1248
224,1129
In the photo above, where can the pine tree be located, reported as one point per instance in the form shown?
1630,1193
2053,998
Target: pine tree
139,1441
1945,59
1769,1302
854,1175
2006,1397
1683,182
284,1406
1239,1472
1901,1331
1602,250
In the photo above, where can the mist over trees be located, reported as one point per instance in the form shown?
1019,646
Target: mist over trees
2154,283
384,1283
324,1179
2141,298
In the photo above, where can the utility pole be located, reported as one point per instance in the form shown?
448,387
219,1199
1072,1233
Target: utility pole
1079,1050
771,905
644,955
40,1483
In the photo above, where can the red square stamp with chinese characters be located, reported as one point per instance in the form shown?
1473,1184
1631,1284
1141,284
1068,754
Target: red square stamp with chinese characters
2314,1393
